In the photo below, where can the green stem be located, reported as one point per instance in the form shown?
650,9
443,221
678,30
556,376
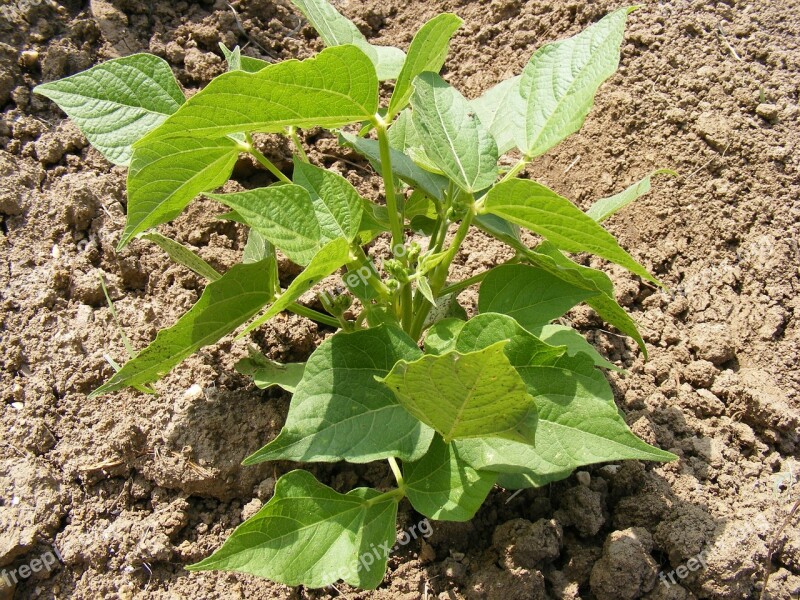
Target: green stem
395,211
398,474
395,493
265,161
523,162
298,146
310,313
374,282
462,285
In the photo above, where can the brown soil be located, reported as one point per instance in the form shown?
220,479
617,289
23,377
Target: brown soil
130,488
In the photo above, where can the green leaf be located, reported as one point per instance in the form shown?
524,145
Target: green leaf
183,256
402,134
605,305
562,335
465,395
332,257
402,166
605,207
442,335
427,52
166,175
532,205
224,305
559,83
336,87
425,289
238,62
341,412
498,109
284,215
578,422
452,135
266,372
532,296
336,30
443,487
118,102
308,534
337,204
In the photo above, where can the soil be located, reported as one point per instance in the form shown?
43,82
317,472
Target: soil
130,488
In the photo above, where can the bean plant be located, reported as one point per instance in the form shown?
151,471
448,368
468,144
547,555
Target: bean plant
509,397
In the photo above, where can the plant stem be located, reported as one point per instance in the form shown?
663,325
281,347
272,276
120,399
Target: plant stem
395,493
298,145
395,211
521,164
265,161
310,313
398,474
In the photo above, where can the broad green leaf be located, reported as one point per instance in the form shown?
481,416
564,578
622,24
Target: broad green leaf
427,52
358,277
452,135
532,296
605,207
498,109
447,307
224,305
266,372
402,166
337,204
604,304
165,175
442,335
238,62
336,30
331,258
578,422
532,205
256,248
562,335
336,87
502,230
559,83
308,534
284,215
341,412
443,487
118,102
465,395
183,256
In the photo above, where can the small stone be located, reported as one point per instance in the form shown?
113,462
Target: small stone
251,508
768,112
584,478
29,58
266,488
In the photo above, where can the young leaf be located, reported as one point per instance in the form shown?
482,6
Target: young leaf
532,205
118,102
337,204
559,83
266,372
333,256
308,534
443,487
341,412
336,30
284,215
166,175
532,296
498,109
224,305
605,207
427,52
562,335
336,87
451,135
238,62
442,335
183,256
465,395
